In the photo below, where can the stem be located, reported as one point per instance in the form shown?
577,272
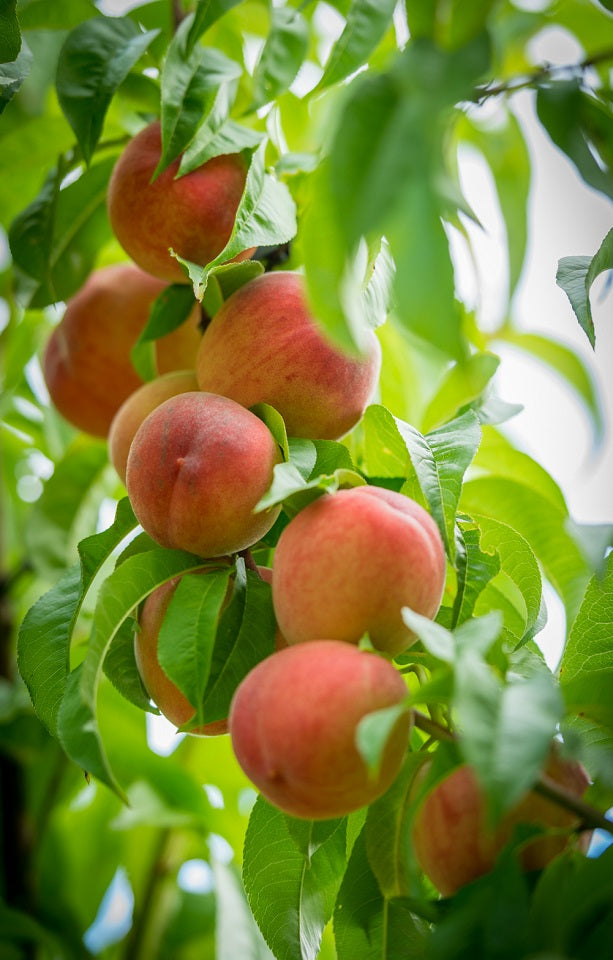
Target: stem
178,13
249,561
543,73
157,871
590,817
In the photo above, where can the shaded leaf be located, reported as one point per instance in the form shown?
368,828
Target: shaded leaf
13,74
10,37
463,384
121,669
169,310
95,59
476,566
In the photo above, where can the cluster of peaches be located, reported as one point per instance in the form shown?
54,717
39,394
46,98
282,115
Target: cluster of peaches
196,461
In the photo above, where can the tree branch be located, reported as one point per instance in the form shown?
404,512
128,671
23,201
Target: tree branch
591,818
547,72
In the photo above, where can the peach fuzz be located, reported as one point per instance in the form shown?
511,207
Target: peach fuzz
87,365
293,722
194,214
347,564
263,346
140,404
453,843
162,691
197,467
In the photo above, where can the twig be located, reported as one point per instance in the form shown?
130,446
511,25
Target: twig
543,73
590,817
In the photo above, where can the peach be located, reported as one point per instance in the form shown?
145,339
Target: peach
347,564
263,346
197,467
194,214
139,404
87,366
161,689
293,722
453,843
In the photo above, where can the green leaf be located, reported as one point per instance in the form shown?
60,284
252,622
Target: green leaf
170,309
388,841
463,384
586,670
66,499
56,239
440,460
41,15
13,74
266,216
373,732
205,15
517,561
119,595
291,894
190,82
367,925
294,492
245,635
121,669
95,59
576,275
367,21
46,631
10,37
281,57
187,634
213,141
476,566
505,731
562,107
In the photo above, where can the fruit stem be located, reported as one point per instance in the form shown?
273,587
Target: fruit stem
590,817
249,561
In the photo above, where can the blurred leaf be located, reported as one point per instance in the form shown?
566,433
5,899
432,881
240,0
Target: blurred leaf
10,37
373,732
95,59
266,216
281,56
367,925
388,841
121,669
595,748
187,634
57,238
42,15
586,670
189,84
13,74
506,731
236,934
505,150
291,895
367,21
169,310
119,595
561,108
54,518
464,383
576,275
476,566
206,14
245,635
46,631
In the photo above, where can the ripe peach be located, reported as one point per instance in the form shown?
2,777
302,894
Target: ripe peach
197,467
263,346
193,214
161,689
139,404
87,366
347,564
453,843
293,723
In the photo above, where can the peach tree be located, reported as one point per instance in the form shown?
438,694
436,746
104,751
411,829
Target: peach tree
360,595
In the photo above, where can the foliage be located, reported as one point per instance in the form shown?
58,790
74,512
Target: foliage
352,116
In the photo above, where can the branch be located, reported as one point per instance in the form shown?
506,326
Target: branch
590,817
534,79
